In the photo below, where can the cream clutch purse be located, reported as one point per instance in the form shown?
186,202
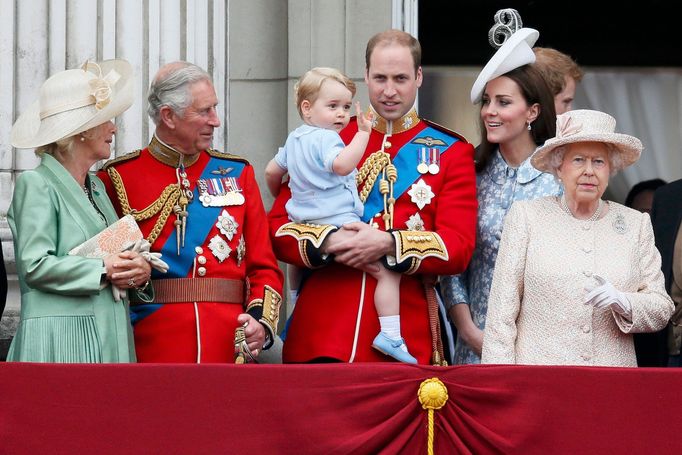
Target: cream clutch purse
118,237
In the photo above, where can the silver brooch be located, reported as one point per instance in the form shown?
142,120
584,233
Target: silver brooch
619,224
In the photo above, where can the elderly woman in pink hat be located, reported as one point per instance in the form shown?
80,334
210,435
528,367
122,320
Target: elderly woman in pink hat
67,313
576,276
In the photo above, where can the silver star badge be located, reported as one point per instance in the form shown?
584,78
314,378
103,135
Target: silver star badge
407,122
421,194
219,247
415,223
227,225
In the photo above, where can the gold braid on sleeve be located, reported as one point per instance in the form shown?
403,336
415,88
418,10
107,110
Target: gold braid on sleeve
163,205
379,163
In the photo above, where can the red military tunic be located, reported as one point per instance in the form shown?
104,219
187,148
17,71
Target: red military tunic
434,226
224,241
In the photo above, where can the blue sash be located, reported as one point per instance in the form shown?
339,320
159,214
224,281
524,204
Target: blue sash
200,221
405,161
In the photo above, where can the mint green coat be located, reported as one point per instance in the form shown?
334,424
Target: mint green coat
65,316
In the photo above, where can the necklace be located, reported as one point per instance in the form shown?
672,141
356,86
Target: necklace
88,192
594,217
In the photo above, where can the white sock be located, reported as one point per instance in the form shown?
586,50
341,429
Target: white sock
390,326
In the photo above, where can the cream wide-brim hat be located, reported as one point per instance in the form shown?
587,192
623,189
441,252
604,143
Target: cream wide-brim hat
516,51
585,125
73,101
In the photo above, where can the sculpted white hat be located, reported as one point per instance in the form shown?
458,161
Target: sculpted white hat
515,49
73,101
584,125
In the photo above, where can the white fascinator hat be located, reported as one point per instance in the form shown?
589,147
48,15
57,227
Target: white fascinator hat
514,46
73,101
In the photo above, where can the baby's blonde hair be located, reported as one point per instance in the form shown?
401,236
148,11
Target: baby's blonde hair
308,86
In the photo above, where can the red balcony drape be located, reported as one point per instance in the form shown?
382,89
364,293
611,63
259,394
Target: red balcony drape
335,409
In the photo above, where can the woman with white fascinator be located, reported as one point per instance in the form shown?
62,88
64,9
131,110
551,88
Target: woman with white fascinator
517,115
67,315
576,276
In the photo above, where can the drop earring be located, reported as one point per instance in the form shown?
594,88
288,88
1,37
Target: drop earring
529,128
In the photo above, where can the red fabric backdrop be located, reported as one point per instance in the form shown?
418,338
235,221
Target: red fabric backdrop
335,409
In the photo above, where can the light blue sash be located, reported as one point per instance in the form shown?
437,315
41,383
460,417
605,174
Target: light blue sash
200,221
405,161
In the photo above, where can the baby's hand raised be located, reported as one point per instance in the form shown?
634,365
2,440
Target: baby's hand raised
364,118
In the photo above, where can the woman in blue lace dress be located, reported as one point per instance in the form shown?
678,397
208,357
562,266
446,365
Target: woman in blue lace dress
517,115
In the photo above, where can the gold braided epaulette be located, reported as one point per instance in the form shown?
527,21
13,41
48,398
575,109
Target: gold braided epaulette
226,156
163,205
122,158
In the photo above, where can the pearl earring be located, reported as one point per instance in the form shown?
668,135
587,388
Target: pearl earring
529,128
82,138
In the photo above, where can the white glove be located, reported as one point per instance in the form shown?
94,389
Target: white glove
141,247
604,295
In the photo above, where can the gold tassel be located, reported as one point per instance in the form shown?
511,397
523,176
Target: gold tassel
432,395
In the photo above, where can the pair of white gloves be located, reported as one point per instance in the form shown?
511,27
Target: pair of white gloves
604,295
142,247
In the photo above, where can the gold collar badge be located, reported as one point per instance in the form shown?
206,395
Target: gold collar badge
404,123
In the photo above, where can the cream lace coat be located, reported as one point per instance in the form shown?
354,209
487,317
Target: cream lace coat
536,313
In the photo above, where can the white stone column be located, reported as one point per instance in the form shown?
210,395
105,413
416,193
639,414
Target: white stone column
41,37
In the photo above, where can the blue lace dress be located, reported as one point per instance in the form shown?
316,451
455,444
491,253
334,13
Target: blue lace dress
499,185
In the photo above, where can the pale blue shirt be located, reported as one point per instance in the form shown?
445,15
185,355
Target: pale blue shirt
499,186
318,195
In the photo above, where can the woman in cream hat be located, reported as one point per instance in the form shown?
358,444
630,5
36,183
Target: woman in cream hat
576,276
66,314
517,115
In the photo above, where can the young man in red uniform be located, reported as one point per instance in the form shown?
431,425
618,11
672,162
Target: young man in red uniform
202,210
417,182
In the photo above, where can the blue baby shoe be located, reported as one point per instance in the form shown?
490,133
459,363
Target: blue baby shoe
392,348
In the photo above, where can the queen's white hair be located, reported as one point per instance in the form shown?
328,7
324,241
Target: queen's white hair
615,159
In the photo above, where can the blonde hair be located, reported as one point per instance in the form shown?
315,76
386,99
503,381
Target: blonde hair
63,148
308,86
58,149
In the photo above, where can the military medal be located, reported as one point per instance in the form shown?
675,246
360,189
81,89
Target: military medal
415,223
227,225
241,251
422,167
220,192
434,161
219,247
421,194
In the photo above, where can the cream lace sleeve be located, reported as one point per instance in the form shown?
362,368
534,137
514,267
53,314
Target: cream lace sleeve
651,305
